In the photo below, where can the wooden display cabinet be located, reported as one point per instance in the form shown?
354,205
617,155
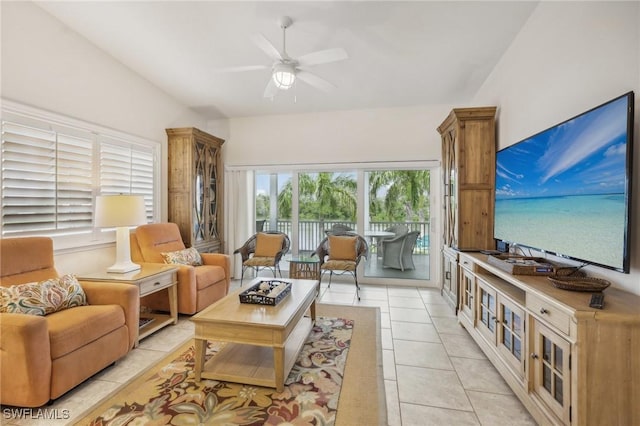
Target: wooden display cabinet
568,363
196,187
468,175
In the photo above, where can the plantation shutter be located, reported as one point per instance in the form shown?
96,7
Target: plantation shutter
28,179
127,169
52,168
46,180
74,199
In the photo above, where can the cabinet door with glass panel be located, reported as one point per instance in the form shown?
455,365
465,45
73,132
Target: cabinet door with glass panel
450,276
510,334
467,298
550,369
501,322
487,311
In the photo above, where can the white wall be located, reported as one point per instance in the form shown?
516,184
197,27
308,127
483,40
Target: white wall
568,58
48,66
395,134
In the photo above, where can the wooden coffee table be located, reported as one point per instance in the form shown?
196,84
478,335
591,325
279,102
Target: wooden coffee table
263,341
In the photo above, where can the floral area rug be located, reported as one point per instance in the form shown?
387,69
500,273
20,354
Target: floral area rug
170,396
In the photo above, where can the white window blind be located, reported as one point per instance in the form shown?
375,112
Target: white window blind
126,170
51,172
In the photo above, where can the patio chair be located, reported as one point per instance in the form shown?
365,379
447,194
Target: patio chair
399,229
398,251
341,253
338,228
264,250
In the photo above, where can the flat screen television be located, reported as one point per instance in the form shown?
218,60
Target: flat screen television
567,190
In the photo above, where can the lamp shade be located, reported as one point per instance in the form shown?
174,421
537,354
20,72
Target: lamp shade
119,210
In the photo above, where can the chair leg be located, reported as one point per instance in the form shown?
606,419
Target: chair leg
330,275
355,276
244,268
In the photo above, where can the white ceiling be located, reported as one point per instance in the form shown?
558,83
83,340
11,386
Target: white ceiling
400,53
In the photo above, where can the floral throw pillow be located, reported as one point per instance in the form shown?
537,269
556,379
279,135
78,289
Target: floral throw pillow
188,256
44,297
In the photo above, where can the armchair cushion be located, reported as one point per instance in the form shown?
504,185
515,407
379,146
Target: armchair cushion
44,297
343,248
268,245
189,256
71,329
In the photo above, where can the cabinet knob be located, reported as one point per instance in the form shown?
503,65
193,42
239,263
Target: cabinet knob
534,356
543,311
494,319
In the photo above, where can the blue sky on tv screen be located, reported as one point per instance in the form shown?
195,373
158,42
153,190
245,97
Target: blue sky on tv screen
582,156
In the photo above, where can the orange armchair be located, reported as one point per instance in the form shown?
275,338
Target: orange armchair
198,286
42,357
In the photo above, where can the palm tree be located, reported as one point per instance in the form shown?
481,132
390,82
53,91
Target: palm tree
323,196
406,197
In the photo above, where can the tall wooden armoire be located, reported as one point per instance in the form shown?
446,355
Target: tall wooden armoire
468,177
196,187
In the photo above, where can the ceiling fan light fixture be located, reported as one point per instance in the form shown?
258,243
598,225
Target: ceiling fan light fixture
284,76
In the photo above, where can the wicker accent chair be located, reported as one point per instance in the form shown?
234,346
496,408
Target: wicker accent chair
397,252
341,253
264,250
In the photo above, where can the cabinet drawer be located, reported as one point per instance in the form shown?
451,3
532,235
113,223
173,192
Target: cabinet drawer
155,283
549,313
466,263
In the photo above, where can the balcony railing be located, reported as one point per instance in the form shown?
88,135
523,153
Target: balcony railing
311,233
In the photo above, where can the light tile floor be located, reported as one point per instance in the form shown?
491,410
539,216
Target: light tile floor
434,373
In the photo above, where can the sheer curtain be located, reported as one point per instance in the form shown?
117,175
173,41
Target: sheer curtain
239,213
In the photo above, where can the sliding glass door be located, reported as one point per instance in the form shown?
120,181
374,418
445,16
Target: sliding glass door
397,223
389,207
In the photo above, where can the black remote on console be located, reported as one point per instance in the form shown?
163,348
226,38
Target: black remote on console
597,300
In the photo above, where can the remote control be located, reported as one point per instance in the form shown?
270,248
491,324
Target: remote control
597,300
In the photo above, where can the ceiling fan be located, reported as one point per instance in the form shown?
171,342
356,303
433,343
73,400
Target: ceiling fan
286,70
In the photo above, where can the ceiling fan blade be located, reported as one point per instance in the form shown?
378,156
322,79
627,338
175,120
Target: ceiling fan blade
315,81
241,69
266,46
271,89
323,57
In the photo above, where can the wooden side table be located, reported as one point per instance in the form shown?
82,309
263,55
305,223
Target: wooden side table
304,268
150,279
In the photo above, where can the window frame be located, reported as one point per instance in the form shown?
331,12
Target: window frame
13,112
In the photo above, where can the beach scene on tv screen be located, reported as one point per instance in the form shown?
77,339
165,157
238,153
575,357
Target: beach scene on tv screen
564,189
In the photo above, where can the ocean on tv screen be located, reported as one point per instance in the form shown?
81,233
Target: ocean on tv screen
564,190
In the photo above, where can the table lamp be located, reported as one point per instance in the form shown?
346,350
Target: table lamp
121,212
